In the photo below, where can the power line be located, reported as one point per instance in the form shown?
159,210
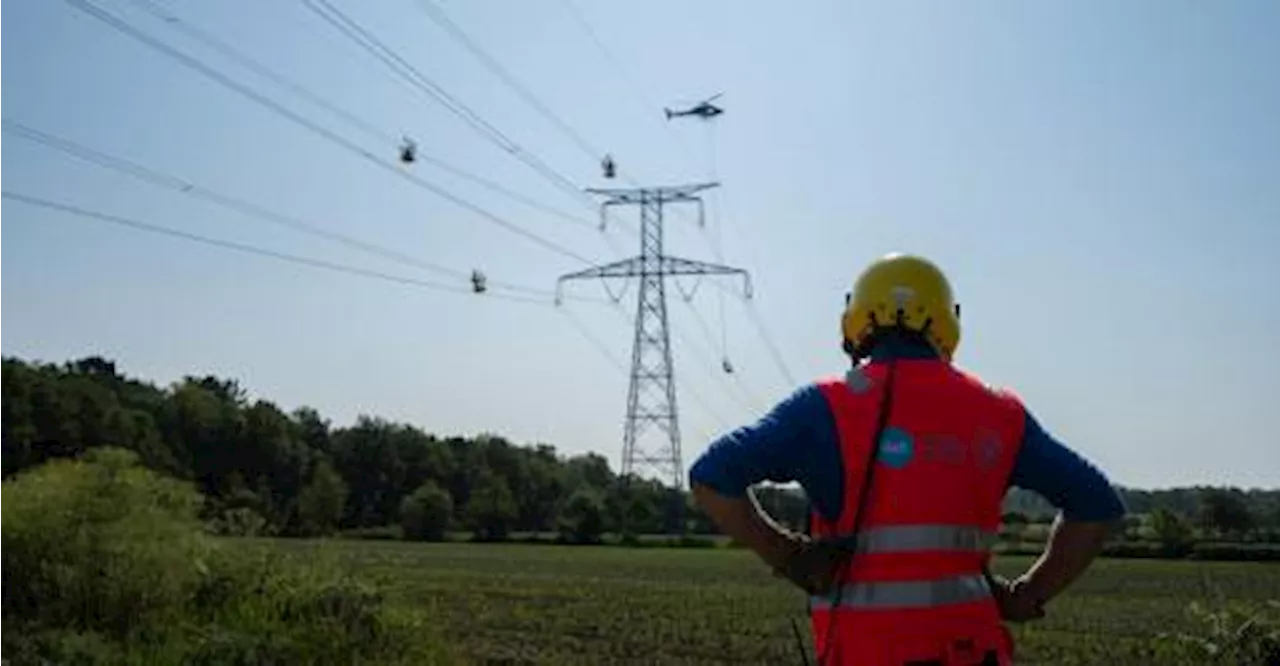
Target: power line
250,249
175,183
716,235
169,181
222,79
768,341
647,104
440,18
762,331
617,363
737,378
712,368
443,21
621,367
680,383
262,70
438,15
636,89
365,126
414,77
595,341
644,100
718,370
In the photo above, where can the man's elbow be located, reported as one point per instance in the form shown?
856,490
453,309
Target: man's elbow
1106,513
702,493
707,493
707,479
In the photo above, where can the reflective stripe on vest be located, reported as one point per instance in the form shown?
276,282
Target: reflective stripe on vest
915,538
905,594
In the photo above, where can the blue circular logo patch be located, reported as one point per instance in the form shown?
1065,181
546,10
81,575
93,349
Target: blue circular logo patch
896,448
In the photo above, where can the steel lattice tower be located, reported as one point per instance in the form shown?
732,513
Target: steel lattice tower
651,396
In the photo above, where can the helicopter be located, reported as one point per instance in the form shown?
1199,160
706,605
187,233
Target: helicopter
705,109
609,167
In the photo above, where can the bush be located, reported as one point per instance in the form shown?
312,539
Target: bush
105,562
321,502
380,533
1170,528
582,518
240,521
1146,549
257,607
491,510
1237,552
425,514
691,542
1018,548
1225,552
1230,633
98,544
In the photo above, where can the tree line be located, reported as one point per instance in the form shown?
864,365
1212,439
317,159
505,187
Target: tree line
263,470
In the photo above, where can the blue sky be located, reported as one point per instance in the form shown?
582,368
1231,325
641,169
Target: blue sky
1099,180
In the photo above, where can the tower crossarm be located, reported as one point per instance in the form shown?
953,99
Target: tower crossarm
636,267
619,269
678,266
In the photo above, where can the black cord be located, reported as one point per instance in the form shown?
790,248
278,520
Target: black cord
868,475
795,630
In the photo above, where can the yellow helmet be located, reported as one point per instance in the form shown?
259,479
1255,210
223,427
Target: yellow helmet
905,291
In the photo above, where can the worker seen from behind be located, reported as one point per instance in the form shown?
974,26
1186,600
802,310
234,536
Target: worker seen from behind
905,461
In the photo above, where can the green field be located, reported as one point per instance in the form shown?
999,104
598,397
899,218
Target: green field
511,604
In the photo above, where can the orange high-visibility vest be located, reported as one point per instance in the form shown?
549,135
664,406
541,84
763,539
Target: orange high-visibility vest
914,591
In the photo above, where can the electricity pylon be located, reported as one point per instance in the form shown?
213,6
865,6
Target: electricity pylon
651,396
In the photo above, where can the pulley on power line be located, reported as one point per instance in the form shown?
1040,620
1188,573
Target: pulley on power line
479,283
408,151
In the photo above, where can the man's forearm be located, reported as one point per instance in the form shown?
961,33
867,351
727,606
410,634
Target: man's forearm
1071,548
740,519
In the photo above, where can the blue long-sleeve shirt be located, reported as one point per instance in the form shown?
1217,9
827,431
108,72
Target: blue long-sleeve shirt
798,441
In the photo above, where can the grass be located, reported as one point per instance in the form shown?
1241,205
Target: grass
515,604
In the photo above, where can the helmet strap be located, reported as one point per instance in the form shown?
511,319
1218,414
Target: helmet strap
878,333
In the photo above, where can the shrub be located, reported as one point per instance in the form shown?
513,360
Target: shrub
380,533
98,544
258,607
106,562
582,518
1018,548
240,521
1237,552
694,542
1146,549
425,514
321,502
1169,528
491,510
1230,633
